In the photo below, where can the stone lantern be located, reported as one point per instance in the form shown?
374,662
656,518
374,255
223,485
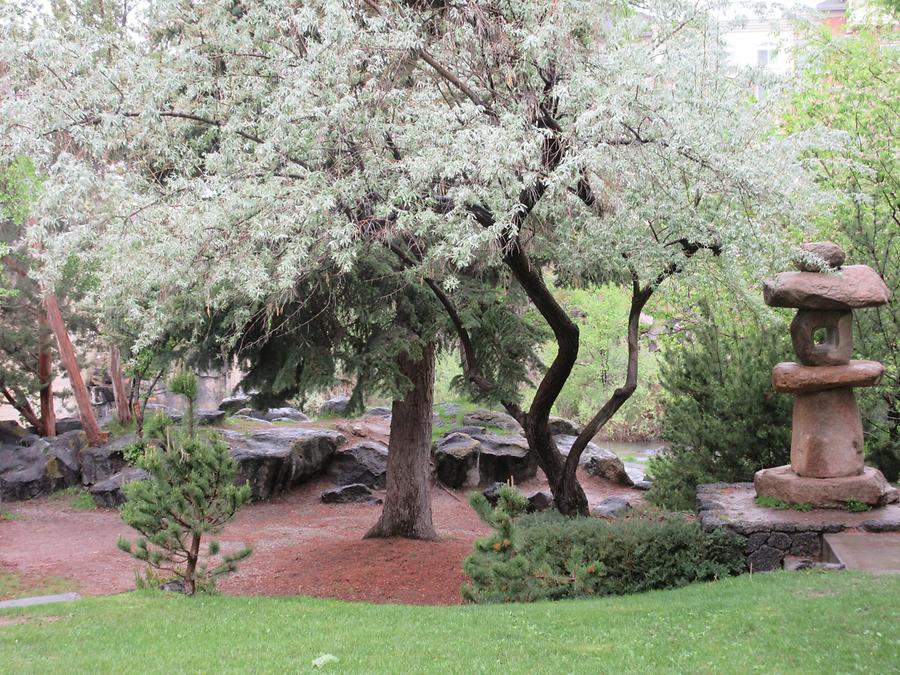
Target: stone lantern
826,467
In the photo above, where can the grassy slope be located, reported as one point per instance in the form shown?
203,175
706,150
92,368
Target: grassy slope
784,622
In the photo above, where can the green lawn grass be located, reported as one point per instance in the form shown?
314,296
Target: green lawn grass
809,622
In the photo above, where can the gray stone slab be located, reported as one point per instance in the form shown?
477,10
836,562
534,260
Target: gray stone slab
870,552
39,600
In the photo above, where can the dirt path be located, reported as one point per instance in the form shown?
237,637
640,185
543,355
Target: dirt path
301,546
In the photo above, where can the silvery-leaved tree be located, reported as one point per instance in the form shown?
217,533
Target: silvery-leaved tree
232,148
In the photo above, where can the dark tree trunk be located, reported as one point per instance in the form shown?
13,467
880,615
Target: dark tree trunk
95,437
123,409
190,569
45,376
407,504
18,401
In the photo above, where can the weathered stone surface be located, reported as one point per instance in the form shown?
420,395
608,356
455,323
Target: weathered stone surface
446,409
67,424
611,507
794,378
250,414
11,433
796,564
231,404
782,483
355,493
378,411
468,430
64,457
286,413
755,540
108,493
827,435
503,457
364,463
23,473
837,345
765,559
272,460
492,493
597,461
492,418
98,464
779,540
806,544
335,406
560,426
210,417
853,287
456,460
539,501
829,252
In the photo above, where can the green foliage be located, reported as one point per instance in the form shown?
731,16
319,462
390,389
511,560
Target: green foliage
775,503
9,515
18,188
852,86
721,416
184,382
78,497
191,493
156,425
856,506
547,556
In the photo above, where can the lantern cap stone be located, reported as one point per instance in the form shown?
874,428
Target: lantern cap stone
795,378
852,287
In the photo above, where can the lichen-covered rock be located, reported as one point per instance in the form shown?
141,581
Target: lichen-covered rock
210,417
231,404
273,460
378,411
456,460
829,252
23,473
108,493
64,455
356,493
66,424
364,463
11,433
492,418
597,461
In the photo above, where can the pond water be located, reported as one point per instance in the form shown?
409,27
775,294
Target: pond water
634,455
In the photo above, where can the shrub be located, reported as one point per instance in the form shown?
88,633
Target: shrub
549,556
191,492
721,417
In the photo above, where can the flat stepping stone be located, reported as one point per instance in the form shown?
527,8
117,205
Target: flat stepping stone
874,553
853,287
795,378
39,600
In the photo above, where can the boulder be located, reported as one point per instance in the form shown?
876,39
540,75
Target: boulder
350,494
492,418
108,493
273,460
539,501
335,406
250,414
23,473
597,461
210,417
446,409
67,424
467,430
456,460
286,413
362,463
492,493
560,426
378,411
11,433
98,464
231,404
853,287
611,507
503,457
64,457
829,252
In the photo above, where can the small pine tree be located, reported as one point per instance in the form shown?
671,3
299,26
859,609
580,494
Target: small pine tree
191,492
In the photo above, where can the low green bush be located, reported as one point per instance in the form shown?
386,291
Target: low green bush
547,556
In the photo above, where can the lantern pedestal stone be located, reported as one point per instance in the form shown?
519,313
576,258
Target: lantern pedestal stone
826,468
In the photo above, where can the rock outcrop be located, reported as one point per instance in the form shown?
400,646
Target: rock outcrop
364,463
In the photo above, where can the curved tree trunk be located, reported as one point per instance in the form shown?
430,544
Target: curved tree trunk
95,437
407,505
